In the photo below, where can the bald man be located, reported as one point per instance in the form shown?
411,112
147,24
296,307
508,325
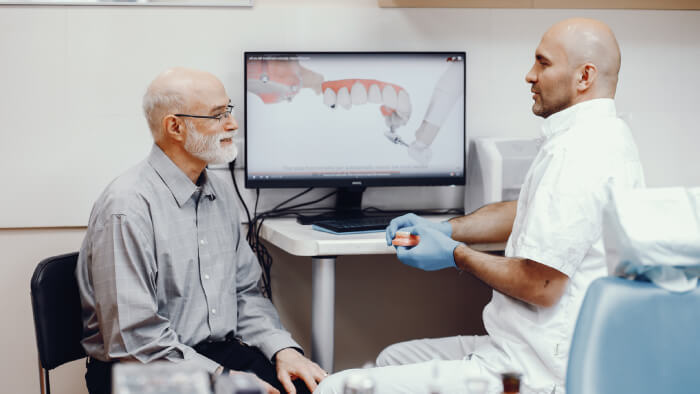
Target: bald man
553,232
165,272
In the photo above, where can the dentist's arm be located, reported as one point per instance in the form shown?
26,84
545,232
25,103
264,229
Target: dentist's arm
490,223
526,280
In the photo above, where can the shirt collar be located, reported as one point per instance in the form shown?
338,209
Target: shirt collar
564,119
175,179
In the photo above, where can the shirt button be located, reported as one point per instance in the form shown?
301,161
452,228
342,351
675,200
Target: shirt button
206,276
202,242
213,311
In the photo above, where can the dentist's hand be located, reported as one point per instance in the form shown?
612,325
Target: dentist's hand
435,250
413,220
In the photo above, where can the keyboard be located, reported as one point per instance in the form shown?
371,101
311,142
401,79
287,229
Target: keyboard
353,224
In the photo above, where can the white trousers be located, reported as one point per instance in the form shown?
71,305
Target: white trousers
450,365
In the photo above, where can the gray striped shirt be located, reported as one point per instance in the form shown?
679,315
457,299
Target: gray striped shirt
164,266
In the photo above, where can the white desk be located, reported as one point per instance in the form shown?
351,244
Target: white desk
323,248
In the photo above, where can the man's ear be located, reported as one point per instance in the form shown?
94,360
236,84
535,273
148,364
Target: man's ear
174,128
586,76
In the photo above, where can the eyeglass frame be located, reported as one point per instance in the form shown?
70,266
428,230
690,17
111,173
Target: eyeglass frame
219,117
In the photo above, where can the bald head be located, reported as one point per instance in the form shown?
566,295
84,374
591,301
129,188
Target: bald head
590,41
577,60
176,90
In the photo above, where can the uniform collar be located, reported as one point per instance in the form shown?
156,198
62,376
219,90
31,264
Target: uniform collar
564,119
175,179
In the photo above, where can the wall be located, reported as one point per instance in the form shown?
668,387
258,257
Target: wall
72,78
82,71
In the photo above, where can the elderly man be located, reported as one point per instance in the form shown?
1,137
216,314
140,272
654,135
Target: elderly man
554,248
164,271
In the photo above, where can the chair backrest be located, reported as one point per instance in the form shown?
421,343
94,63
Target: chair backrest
57,311
634,337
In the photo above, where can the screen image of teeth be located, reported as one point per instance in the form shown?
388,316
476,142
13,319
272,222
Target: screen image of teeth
364,115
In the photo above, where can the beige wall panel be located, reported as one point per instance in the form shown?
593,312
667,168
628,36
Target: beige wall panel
591,4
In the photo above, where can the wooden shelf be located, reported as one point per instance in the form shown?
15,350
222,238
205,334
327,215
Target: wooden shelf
596,4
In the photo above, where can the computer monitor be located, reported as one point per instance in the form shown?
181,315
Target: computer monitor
354,119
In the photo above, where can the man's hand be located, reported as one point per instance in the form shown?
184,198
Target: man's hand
292,365
435,250
413,220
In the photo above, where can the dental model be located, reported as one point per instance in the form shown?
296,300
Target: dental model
277,81
445,95
396,104
404,238
395,101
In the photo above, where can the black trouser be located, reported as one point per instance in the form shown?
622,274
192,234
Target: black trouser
231,354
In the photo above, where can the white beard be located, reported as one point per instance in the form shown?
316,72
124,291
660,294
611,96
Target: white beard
208,147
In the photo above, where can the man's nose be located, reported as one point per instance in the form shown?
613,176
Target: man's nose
530,77
231,123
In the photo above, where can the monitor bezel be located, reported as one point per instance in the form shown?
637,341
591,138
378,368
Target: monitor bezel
351,182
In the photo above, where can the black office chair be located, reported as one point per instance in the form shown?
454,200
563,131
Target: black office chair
57,314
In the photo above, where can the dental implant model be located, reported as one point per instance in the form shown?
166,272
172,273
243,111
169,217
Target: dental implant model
395,101
445,95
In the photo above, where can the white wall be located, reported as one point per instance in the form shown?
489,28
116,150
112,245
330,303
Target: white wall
71,80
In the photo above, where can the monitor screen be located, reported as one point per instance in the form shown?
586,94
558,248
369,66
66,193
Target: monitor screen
354,119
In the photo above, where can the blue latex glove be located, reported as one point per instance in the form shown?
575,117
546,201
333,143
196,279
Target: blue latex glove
413,220
434,251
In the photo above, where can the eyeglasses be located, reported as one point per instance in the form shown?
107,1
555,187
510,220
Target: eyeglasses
223,115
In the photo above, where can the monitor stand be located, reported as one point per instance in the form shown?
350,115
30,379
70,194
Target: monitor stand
348,204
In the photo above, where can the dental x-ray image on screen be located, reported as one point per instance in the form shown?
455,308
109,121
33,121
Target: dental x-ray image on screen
354,119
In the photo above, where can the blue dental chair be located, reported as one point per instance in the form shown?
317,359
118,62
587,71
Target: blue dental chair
634,337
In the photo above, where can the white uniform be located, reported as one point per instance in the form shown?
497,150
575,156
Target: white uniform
558,224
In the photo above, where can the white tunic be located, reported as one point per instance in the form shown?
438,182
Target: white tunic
558,224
